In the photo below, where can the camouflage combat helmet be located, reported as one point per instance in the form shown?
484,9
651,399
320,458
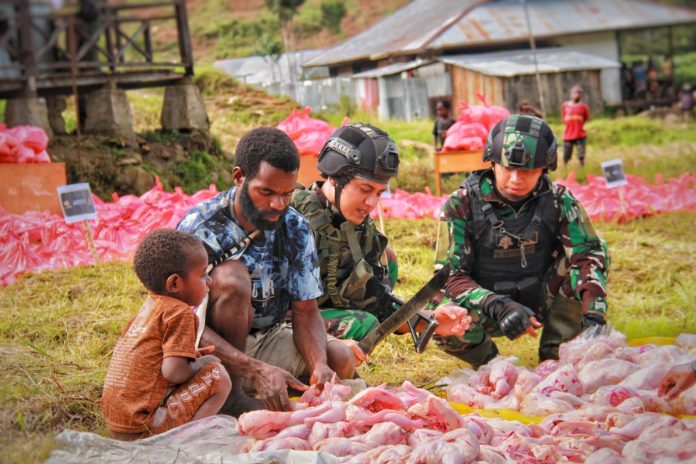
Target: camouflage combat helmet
363,148
521,142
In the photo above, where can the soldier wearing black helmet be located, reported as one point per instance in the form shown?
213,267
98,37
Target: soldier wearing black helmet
356,266
522,249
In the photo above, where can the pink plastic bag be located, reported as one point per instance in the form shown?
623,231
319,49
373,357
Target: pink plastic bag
23,144
35,241
473,124
309,134
31,137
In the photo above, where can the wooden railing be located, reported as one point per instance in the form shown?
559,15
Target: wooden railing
118,38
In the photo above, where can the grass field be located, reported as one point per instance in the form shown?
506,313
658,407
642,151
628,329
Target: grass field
57,329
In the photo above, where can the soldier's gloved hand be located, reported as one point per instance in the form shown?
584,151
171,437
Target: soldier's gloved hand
592,319
513,317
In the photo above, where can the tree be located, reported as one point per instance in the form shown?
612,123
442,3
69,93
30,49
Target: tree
332,12
286,11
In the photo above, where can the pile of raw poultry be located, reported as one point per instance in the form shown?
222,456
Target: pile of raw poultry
597,404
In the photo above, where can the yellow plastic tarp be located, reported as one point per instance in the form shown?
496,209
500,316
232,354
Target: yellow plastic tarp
652,341
507,414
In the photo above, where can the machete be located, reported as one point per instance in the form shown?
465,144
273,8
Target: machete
406,312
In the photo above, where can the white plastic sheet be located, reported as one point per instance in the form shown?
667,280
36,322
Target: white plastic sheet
211,440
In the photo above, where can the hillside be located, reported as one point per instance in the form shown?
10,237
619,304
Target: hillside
236,28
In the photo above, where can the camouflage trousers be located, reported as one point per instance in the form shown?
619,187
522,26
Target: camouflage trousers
354,323
561,317
349,323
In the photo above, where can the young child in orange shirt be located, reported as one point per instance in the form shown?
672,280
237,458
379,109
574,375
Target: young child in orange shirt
157,380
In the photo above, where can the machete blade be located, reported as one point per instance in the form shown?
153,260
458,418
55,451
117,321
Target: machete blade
407,311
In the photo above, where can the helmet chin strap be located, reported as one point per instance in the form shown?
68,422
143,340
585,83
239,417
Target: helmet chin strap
337,198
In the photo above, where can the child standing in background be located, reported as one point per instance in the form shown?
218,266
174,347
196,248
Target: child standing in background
442,123
574,114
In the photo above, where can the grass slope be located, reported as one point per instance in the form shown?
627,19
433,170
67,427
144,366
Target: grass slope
57,329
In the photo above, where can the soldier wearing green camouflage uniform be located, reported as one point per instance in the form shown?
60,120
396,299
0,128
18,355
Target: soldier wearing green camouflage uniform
355,263
517,260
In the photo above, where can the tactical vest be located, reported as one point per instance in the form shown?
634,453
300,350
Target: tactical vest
511,255
348,259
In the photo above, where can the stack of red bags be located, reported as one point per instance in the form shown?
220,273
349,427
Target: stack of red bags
473,124
23,144
309,134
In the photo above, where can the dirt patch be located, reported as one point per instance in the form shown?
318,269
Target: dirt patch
192,160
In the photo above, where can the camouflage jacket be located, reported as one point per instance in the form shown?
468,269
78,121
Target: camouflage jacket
344,270
587,255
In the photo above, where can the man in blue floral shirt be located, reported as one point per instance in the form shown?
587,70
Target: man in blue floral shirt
255,290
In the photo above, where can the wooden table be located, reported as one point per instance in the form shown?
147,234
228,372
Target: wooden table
456,161
308,172
31,187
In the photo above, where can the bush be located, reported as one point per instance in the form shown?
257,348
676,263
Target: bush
309,21
211,81
195,172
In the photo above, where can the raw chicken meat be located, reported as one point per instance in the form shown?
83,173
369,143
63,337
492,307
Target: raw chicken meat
363,417
422,435
386,433
298,431
605,456
647,378
455,447
341,446
595,374
335,414
381,455
332,391
687,341
492,455
498,378
564,379
599,404
321,431
437,414
264,424
536,404
275,444
377,399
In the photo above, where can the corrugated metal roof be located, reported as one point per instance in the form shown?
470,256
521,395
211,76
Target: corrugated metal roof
434,25
409,28
504,20
521,62
392,69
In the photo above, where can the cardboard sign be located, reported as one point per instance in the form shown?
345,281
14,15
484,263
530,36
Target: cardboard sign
613,172
76,202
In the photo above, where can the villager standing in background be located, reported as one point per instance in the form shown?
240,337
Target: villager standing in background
574,114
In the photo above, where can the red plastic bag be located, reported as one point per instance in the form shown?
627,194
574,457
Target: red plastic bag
31,137
473,124
465,136
23,144
8,146
309,134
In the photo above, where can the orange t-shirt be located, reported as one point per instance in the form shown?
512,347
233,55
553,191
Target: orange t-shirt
134,386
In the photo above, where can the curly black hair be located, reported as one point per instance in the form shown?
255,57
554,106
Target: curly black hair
162,253
344,176
266,144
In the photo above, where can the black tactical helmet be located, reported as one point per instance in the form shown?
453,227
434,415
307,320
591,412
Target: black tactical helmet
362,147
522,142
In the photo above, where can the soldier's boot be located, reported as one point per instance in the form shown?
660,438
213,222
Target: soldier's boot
563,322
476,355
